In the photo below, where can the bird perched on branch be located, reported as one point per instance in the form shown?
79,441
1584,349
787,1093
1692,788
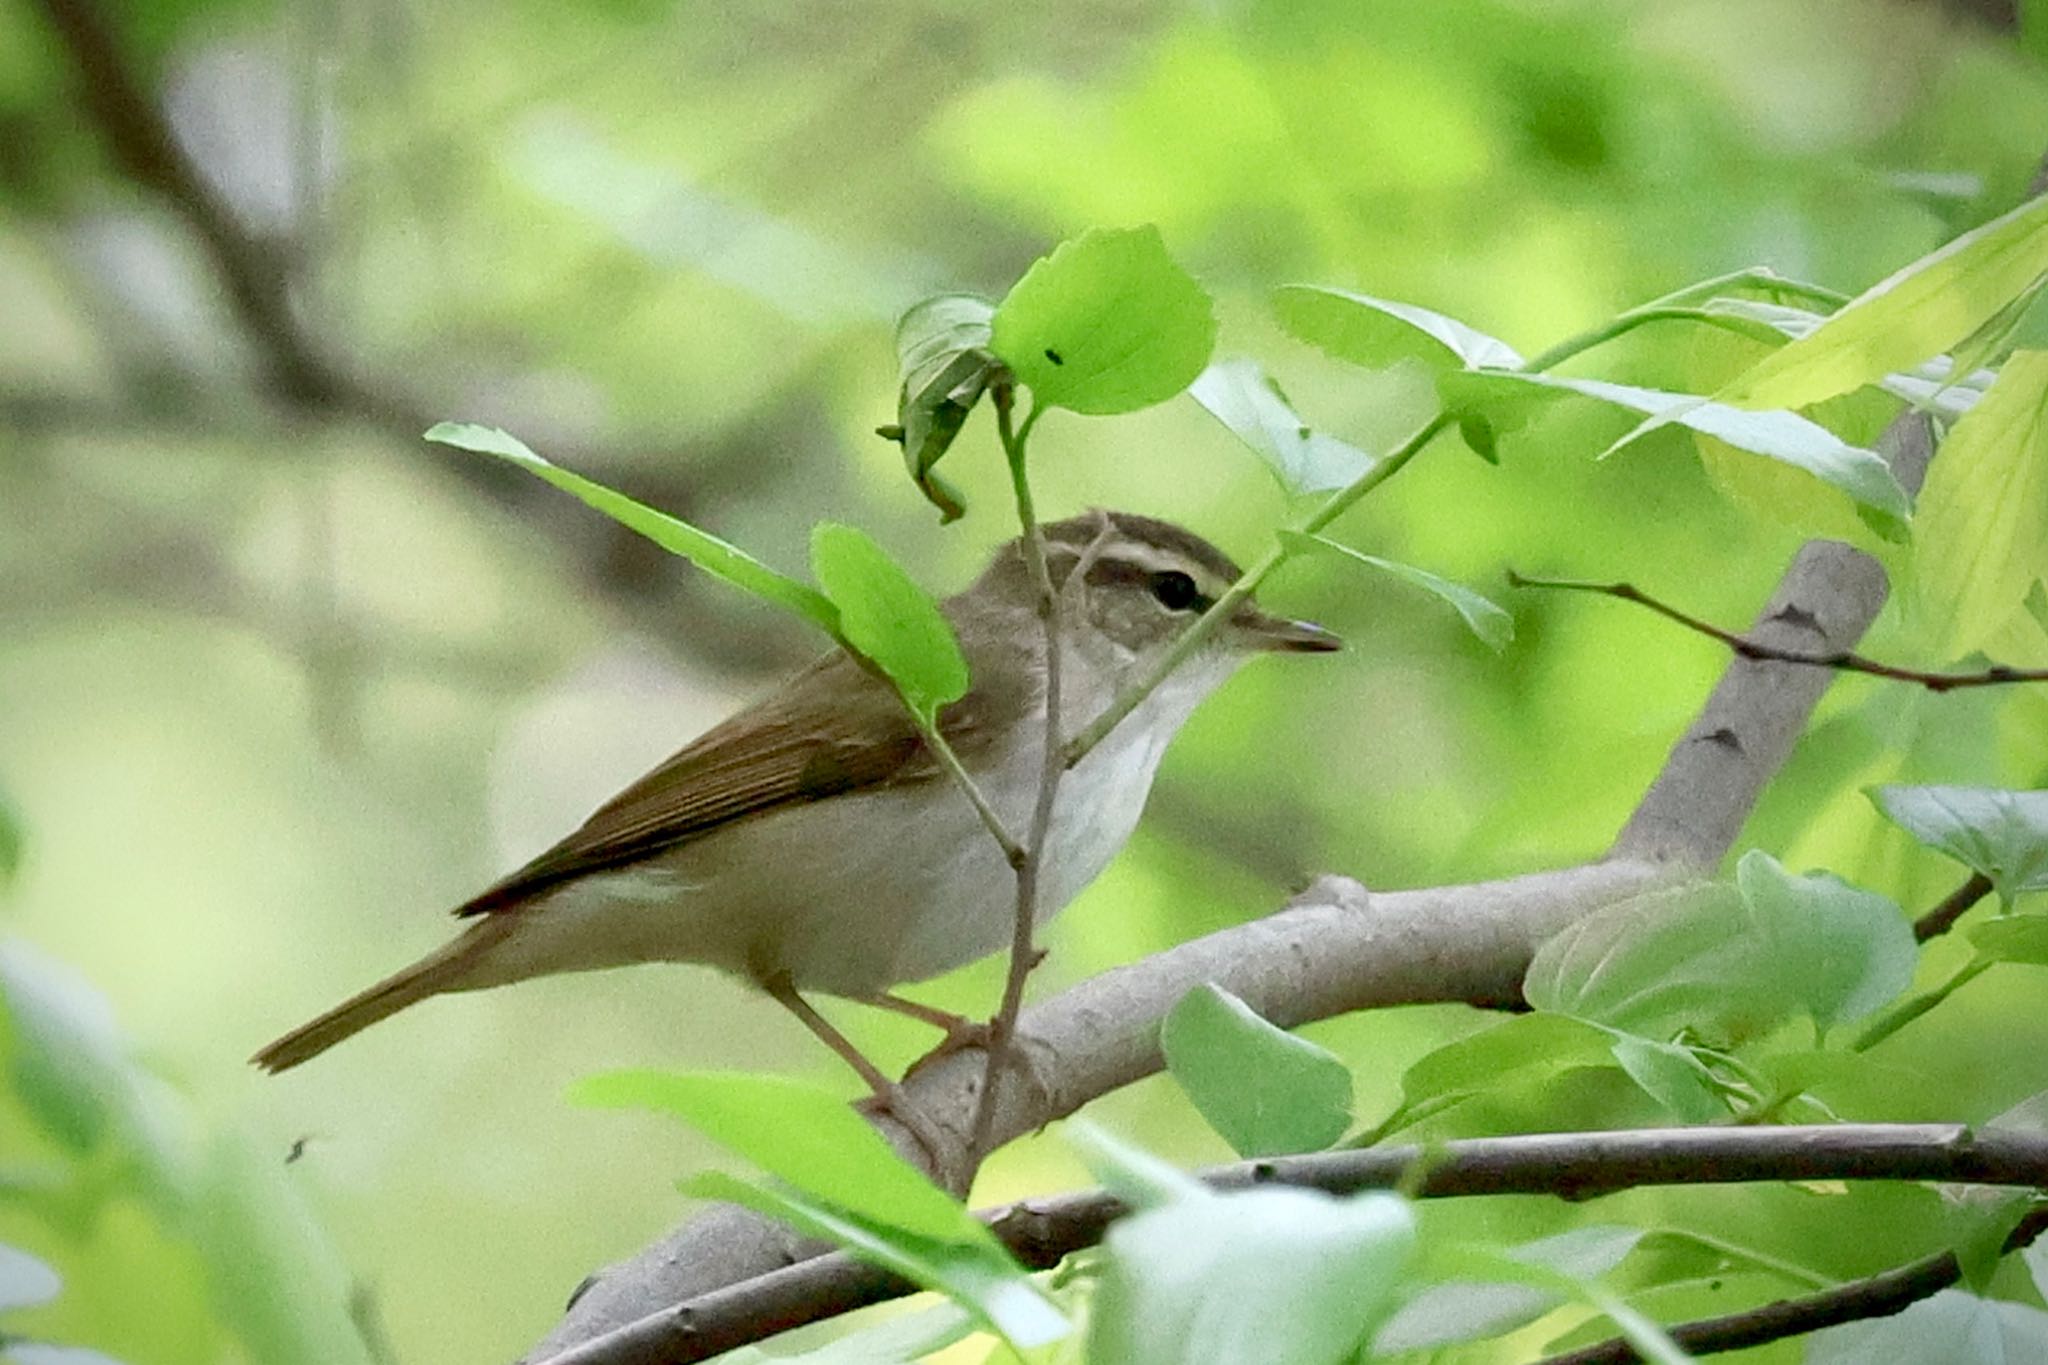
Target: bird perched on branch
815,842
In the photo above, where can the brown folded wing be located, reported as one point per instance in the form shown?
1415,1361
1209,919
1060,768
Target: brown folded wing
833,728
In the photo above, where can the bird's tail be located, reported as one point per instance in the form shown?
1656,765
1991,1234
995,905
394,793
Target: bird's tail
444,970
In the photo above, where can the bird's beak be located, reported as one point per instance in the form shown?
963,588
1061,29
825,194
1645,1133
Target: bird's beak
1281,635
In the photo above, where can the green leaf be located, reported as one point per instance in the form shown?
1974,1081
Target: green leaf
2012,938
2002,834
70,1064
1673,1075
1658,963
1263,1089
44,1353
24,1280
1130,1173
1378,333
1949,1326
888,618
1934,384
800,1134
1242,397
1982,539
1926,308
701,548
942,348
1783,436
1470,1310
893,1341
1260,1275
978,1275
1842,952
1107,323
1494,627
1536,1043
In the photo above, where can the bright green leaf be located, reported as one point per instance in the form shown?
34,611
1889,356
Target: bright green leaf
1933,384
1132,1174
1262,1275
893,1341
24,1280
1924,309
1445,1314
2002,834
701,548
1264,1090
1673,1075
1378,333
1657,963
1982,540
1494,627
942,348
1950,1326
2012,938
800,1134
1540,1044
1782,436
1240,395
888,618
977,1275
1107,323
1844,953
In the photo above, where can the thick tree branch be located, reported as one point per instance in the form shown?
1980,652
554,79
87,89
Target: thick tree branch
1040,1232
1337,948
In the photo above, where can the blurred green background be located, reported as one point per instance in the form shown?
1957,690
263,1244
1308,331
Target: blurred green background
279,682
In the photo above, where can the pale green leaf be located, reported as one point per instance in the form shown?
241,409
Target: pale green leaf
2012,938
800,1134
701,548
1243,398
1845,952
977,1275
888,618
1131,1173
1673,1075
1378,333
893,1341
1470,1310
1261,1275
1982,539
2002,834
1951,1326
1107,323
942,349
1494,627
25,1281
1934,385
1782,436
1922,310
1263,1089
1537,1044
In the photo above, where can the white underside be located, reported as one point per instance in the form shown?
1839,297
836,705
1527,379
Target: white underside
855,894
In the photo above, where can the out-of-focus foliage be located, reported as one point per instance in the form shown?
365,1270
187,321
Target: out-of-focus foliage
279,681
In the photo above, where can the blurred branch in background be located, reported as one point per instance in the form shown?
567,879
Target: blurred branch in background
305,376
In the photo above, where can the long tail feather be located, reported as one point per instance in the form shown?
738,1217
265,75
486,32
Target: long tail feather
434,974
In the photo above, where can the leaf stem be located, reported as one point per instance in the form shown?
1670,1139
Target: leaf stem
1013,852
1904,1013
1024,955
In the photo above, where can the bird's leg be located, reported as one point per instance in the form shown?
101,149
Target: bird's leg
888,1094
960,1031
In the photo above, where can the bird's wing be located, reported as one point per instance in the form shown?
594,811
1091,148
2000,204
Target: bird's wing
833,728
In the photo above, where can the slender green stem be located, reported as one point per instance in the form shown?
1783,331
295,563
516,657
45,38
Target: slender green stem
1013,851
1904,1013
1024,954
1205,625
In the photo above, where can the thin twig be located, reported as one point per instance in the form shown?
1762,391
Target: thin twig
1040,1232
1877,1296
1024,954
1958,903
1846,661
1013,852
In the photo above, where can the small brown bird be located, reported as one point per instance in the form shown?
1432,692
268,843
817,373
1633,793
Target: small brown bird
813,842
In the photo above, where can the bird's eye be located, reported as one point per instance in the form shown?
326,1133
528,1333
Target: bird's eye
1177,592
